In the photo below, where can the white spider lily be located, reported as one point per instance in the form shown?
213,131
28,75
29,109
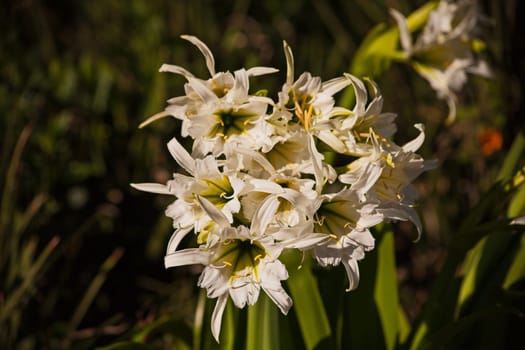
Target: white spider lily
219,108
207,181
385,177
238,264
308,102
256,183
443,52
345,222
354,128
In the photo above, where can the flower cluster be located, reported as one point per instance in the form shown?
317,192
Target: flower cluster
256,180
445,49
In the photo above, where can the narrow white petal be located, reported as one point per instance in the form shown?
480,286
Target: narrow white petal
182,157
176,238
352,271
289,63
265,186
207,95
307,242
361,95
152,187
404,33
154,118
451,102
189,256
363,238
333,86
210,61
280,298
257,157
216,317
331,140
317,164
213,212
264,215
176,70
256,71
416,143
239,93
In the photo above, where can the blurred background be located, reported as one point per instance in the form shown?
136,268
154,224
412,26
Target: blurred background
81,252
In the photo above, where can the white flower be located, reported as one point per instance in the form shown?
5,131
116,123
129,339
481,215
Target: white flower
258,180
239,263
443,52
385,177
345,220
219,109
353,128
308,103
207,181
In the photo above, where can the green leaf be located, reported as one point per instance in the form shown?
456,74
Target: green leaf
380,46
385,292
263,325
443,338
403,323
308,305
516,271
513,157
517,205
362,327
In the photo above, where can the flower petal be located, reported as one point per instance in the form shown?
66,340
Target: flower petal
216,317
187,257
361,95
182,157
264,214
414,145
256,71
210,61
175,69
152,187
317,163
335,85
280,298
154,118
404,34
176,238
352,271
213,212
289,63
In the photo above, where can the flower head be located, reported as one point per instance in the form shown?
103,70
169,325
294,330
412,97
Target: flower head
443,53
258,181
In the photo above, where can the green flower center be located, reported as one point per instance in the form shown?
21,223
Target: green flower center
332,218
241,256
217,190
231,122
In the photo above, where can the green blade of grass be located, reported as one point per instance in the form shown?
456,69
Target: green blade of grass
30,279
94,287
